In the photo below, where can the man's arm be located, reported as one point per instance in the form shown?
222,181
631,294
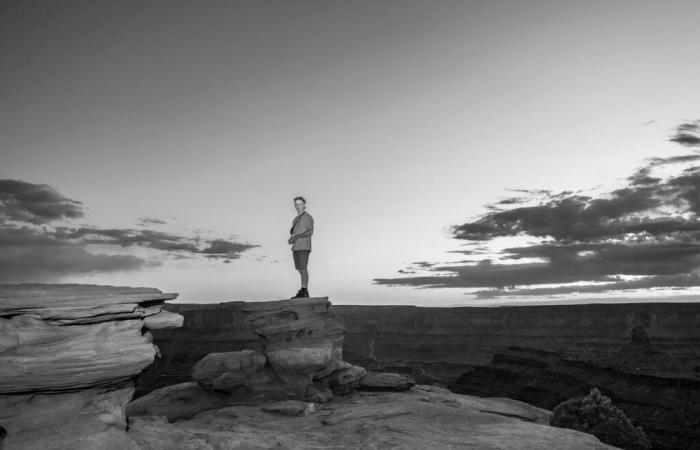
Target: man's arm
308,231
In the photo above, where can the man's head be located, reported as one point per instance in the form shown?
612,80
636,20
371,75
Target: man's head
299,204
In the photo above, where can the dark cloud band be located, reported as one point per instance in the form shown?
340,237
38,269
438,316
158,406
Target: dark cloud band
648,230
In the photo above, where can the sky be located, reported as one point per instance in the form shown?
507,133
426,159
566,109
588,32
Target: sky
451,152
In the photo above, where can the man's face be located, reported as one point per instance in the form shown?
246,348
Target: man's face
299,205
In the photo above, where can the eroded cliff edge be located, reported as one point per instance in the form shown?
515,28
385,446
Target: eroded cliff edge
68,355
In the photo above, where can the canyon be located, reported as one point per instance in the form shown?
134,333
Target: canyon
537,354
240,375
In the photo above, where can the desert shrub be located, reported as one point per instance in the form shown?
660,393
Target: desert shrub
595,414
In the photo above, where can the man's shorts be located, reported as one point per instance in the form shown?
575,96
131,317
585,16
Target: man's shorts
301,258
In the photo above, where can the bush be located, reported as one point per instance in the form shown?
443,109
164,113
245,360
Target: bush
595,414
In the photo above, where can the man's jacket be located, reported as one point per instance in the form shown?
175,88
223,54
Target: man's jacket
304,224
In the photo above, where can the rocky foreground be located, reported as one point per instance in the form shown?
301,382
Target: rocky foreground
291,389
541,355
423,417
645,357
69,354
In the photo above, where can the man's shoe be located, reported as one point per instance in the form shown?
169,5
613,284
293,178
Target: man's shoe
304,292
299,294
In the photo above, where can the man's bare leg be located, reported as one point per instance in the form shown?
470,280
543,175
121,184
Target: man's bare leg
304,277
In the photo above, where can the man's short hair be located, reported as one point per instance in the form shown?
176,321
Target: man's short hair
300,198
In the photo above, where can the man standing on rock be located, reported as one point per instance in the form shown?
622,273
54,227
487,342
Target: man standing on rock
301,231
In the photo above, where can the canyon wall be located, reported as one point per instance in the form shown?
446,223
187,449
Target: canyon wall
437,345
467,336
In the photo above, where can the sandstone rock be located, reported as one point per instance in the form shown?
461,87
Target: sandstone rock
155,433
67,353
179,401
163,319
422,417
344,379
65,304
318,394
384,381
36,356
207,328
83,420
226,371
302,339
290,408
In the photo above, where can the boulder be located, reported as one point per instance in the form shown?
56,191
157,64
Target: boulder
345,378
227,371
300,342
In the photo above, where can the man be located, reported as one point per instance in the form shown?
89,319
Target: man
301,231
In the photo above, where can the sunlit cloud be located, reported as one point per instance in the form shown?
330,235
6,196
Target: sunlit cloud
644,235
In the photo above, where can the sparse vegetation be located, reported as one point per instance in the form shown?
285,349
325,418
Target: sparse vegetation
595,414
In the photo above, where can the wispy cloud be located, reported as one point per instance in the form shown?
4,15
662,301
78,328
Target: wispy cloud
643,235
144,221
36,246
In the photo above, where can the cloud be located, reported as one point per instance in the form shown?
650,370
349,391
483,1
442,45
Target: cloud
33,248
688,134
677,282
648,230
35,203
29,255
583,218
220,248
126,237
144,221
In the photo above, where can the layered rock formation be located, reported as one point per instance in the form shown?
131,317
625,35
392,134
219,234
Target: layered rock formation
457,338
438,345
68,354
291,389
297,355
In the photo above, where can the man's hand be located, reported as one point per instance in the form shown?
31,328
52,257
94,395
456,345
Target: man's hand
290,240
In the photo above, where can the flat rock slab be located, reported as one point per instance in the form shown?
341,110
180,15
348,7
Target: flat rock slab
79,303
385,381
178,401
290,408
423,417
